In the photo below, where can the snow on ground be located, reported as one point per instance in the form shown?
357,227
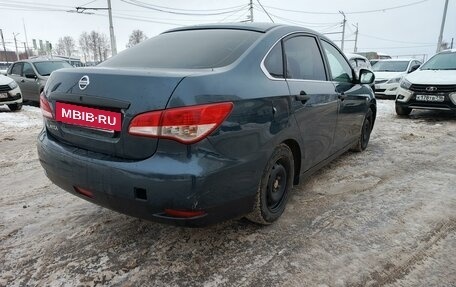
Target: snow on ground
28,117
384,217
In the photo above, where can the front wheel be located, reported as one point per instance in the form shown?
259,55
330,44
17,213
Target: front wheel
365,132
15,107
402,111
274,187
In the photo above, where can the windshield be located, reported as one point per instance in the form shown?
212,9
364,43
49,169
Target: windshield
192,49
47,67
390,66
444,61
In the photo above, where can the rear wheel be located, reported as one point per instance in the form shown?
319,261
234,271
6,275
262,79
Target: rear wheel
402,111
365,132
274,187
15,107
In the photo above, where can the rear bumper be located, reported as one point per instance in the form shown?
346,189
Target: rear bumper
222,188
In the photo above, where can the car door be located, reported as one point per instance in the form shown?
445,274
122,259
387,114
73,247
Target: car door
352,97
314,100
16,73
29,86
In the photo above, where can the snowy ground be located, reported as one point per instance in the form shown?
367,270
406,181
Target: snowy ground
384,217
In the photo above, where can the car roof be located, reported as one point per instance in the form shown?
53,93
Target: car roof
41,59
255,26
394,60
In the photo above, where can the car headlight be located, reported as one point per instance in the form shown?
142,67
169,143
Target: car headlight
394,80
12,85
453,98
405,84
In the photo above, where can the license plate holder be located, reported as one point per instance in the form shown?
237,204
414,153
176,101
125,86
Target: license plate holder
88,117
3,95
430,98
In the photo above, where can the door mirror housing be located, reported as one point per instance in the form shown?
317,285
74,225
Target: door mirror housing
366,76
414,68
31,76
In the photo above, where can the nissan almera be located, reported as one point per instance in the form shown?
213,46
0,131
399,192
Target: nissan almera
206,123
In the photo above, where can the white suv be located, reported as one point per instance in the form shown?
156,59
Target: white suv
10,93
432,86
388,74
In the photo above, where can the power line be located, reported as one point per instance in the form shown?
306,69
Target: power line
390,40
354,12
265,11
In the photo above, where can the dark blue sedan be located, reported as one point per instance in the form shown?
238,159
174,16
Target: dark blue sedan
206,123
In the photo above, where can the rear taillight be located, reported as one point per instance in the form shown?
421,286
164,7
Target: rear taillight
45,107
186,124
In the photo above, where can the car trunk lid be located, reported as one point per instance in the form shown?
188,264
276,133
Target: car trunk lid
123,93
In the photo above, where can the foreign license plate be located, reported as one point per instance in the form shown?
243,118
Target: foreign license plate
3,95
430,98
88,117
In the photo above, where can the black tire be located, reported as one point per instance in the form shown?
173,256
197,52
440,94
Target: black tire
15,107
366,130
401,111
274,188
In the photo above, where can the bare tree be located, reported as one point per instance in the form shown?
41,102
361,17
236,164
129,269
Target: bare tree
136,37
60,48
104,47
65,46
84,43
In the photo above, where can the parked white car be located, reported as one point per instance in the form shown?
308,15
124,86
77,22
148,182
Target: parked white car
432,86
10,93
388,74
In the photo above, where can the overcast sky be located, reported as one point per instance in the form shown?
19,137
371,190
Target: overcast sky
403,31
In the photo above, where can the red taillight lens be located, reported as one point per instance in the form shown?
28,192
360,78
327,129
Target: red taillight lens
186,124
83,191
45,107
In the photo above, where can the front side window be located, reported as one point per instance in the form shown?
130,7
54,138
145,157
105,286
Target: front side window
303,59
340,69
17,69
27,70
274,62
191,49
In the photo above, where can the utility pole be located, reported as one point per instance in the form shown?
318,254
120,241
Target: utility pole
111,27
251,10
4,48
452,39
111,30
439,43
356,38
15,43
25,48
343,30
26,40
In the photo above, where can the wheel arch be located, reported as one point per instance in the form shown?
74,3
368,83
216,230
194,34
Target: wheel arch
296,151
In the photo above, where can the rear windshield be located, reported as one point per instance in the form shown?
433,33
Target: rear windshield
443,61
390,66
47,67
193,49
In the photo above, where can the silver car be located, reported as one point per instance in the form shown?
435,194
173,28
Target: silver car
31,75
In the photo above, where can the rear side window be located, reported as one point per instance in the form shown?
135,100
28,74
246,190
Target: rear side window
303,59
274,61
340,69
192,49
17,69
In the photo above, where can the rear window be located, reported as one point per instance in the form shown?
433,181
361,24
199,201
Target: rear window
193,49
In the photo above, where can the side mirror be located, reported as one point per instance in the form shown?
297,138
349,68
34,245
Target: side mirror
31,76
366,76
413,68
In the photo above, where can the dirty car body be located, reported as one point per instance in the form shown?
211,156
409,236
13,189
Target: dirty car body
252,102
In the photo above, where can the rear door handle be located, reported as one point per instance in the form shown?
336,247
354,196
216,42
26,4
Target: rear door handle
342,97
303,97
